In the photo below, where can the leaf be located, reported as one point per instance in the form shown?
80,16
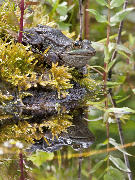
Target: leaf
102,2
117,146
123,54
107,55
113,174
40,157
98,165
119,164
117,111
123,48
111,64
133,91
99,17
120,16
116,3
62,9
122,110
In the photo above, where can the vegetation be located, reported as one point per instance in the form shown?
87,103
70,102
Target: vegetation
112,69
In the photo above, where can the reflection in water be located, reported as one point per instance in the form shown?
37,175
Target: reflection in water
50,133
77,135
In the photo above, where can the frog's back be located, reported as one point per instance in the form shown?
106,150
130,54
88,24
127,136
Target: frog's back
55,36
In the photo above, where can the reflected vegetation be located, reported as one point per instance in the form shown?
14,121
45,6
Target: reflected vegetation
59,122
41,136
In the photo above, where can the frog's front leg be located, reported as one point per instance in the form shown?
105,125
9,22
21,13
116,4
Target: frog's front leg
51,57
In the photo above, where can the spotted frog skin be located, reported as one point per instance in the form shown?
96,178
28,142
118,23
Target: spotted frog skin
61,49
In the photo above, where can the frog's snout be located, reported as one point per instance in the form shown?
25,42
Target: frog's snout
94,52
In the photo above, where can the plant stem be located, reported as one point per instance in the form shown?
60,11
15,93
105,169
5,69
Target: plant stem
81,19
110,91
118,40
121,135
21,166
86,20
105,76
21,21
80,167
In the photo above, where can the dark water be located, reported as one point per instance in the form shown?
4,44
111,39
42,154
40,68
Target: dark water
60,143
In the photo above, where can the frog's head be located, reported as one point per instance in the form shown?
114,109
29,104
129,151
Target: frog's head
77,54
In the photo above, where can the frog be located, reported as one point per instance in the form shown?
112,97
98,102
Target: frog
58,48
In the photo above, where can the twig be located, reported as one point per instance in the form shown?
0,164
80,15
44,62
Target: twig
81,19
121,135
80,167
118,41
105,78
21,166
87,20
21,21
111,95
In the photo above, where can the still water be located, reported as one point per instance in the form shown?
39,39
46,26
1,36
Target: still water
67,141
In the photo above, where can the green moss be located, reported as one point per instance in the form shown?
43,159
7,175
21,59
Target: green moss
16,64
58,78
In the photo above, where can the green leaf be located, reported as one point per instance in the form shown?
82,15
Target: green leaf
107,55
99,17
120,16
62,9
123,54
122,110
117,146
102,2
119,164
133,91
123,48
98,165
111,64
113,174
40,157
118,111
111,37
116,3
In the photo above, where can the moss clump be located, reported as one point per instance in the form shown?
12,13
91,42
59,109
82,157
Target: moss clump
17,67
16,64
58,78
26,132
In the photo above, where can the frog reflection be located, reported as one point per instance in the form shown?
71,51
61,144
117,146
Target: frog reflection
78,136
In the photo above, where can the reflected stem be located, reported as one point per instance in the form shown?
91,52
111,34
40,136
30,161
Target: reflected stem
80,167
21,165
121,135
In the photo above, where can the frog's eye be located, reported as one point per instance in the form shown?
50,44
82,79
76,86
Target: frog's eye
77,44
68,48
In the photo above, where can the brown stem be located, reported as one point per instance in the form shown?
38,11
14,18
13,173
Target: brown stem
121,135
105,77
21,21
81,19
86,20
21,166
118,40
80,167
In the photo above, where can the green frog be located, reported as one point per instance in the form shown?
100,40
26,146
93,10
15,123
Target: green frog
59,48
